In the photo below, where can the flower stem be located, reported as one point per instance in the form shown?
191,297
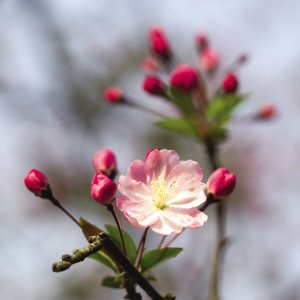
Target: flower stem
221,240
161,242
141,246
111,209
57,204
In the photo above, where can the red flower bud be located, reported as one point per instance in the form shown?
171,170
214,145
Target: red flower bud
184,77
229,83
209,59
158,42
104,161
103,190
267,111
150,152
113,95
36,182
150,64
201,41
154,86
221,183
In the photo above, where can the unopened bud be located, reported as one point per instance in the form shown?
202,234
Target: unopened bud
221,183
103,190
201,41
267,111
36,182
113,95
104,161
184,77
229,83
209,59
158,42
151,151
154,86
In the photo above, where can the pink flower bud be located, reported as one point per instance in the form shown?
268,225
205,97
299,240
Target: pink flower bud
150,64
105,162
154,86
267,111
151,151
113,95
201,41
220,183
36,182
184,77
103,190
158,42
209,59
229,83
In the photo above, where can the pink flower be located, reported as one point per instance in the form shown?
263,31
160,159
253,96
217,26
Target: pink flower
36,182
147,154
103,190
209,59
184,77
104,161
113,95
220,183
201,41
154,86
162,193
229,83
158,42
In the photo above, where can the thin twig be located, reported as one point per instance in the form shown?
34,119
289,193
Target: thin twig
111,209
161,242
142,246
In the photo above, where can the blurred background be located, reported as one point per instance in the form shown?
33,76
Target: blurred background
57,57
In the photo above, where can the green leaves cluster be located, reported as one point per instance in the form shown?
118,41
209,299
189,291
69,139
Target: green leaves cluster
149,260
210,122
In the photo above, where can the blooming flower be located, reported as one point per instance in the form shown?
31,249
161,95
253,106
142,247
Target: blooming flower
162,193
36,182
221,183
103,190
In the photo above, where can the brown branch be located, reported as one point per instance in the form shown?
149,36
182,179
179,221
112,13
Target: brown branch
103,240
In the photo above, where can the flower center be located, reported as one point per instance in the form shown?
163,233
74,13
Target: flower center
161,195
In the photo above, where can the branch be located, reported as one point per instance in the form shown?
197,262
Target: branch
103,240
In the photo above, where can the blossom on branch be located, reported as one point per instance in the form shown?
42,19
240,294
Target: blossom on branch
163,193
36,182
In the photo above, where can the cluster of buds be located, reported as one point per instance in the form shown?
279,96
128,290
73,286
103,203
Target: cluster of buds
103,189
205,94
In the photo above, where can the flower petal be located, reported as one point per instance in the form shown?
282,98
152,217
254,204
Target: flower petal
136,171
189,194
136,191
125,204
164,226
145,213
187,218
161,163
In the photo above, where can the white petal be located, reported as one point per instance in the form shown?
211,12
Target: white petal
164,226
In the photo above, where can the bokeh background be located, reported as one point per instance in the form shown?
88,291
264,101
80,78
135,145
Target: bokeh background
57,57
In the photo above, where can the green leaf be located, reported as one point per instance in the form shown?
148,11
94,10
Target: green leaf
157,256
219,110
88,229
104,259
149,277
179,125
182,100
129,244
120,277
109,281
